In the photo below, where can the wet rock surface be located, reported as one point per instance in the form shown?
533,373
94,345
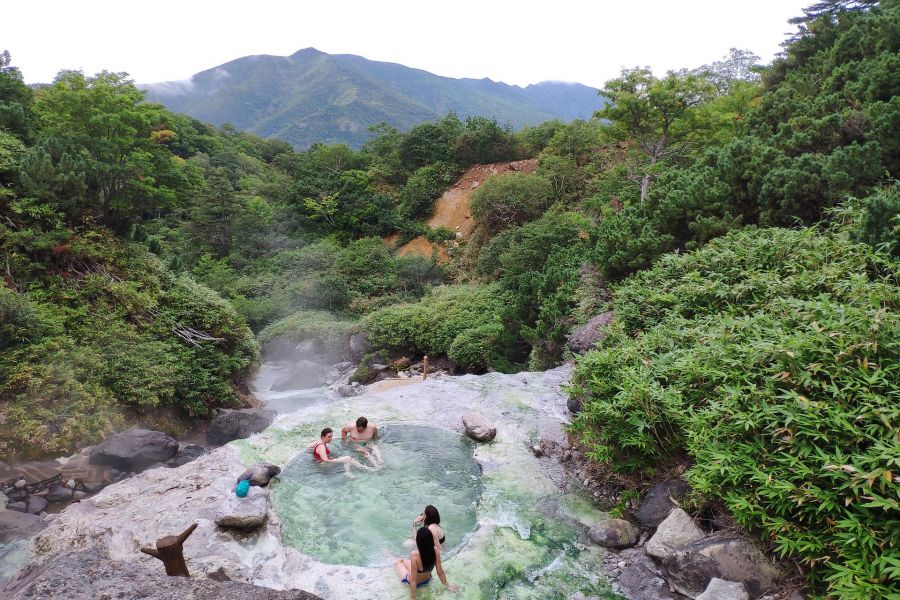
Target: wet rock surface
230,425
15,525
614,533
134,449
90,574
303,375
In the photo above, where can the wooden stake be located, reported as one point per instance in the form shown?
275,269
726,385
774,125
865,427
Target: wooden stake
169,550
425,368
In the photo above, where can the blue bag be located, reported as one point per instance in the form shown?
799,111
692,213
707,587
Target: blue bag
243,487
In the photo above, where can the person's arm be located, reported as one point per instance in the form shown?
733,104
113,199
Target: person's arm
413,578
344,431
440,570
374,432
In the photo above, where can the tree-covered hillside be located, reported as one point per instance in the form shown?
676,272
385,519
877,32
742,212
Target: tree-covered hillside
313,97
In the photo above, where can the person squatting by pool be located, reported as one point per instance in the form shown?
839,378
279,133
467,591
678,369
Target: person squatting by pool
322,454
416,571
362,435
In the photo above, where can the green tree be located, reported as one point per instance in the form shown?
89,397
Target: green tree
510,199
657,115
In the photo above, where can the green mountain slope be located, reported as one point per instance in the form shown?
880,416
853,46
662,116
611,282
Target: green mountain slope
313,97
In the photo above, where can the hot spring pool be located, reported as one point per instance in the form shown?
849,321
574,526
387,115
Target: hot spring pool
347,521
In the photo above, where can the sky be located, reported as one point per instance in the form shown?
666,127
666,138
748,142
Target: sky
588,41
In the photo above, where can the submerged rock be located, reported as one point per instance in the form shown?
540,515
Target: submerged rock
678,529
479,428
614,533
89,574
657,504
693,566
719,589
249,512
231,425
134,449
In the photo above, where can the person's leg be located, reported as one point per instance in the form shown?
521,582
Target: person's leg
402,568
376,455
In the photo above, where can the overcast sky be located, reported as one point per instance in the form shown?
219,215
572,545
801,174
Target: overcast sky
523,42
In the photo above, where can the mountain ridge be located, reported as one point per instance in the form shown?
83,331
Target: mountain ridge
311,96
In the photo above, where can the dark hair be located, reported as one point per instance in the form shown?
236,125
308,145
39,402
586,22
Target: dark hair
362,422
432,516
425,544
326,431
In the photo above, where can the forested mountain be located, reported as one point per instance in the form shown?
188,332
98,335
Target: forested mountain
312,96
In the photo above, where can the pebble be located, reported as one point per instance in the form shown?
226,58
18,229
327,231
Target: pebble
622,564
70,484
20,484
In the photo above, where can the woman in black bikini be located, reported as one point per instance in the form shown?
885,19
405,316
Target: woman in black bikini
416,571
431,519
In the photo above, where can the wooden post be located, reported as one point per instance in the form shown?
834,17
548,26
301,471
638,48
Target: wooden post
169,550
425,368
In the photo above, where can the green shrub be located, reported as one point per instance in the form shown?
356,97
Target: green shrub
331,331
771,357
628,241
431,325
423,188
475,349
510,199
880,221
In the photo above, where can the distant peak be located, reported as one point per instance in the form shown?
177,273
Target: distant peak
304,52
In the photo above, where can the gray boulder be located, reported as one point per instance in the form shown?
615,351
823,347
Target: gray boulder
249,512
4,500
260,474
359,345
134,449
678,529
346,391
36,505
59,493
614,533
588,335
15,525
641,580
186,453
658,502
719,589
231,424
690,568
304,375
479,428
90,574
19,506
574,404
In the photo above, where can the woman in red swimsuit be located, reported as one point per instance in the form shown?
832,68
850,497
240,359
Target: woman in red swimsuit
322,453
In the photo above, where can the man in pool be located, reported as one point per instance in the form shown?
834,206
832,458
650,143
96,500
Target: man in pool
322,454
362,435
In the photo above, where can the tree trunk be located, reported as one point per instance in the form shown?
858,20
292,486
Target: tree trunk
169,550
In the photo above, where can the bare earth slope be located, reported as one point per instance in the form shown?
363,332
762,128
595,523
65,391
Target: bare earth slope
451,210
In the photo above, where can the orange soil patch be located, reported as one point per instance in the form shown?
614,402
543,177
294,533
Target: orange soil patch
451,210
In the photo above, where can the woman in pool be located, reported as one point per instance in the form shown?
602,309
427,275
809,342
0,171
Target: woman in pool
322,453
416,571
431,519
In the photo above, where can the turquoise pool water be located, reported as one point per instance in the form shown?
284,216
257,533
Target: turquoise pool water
359,521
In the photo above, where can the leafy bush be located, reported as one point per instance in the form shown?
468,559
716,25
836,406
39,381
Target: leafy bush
423,188
880,221
324,327
771,358
433,324
510,199
628,241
